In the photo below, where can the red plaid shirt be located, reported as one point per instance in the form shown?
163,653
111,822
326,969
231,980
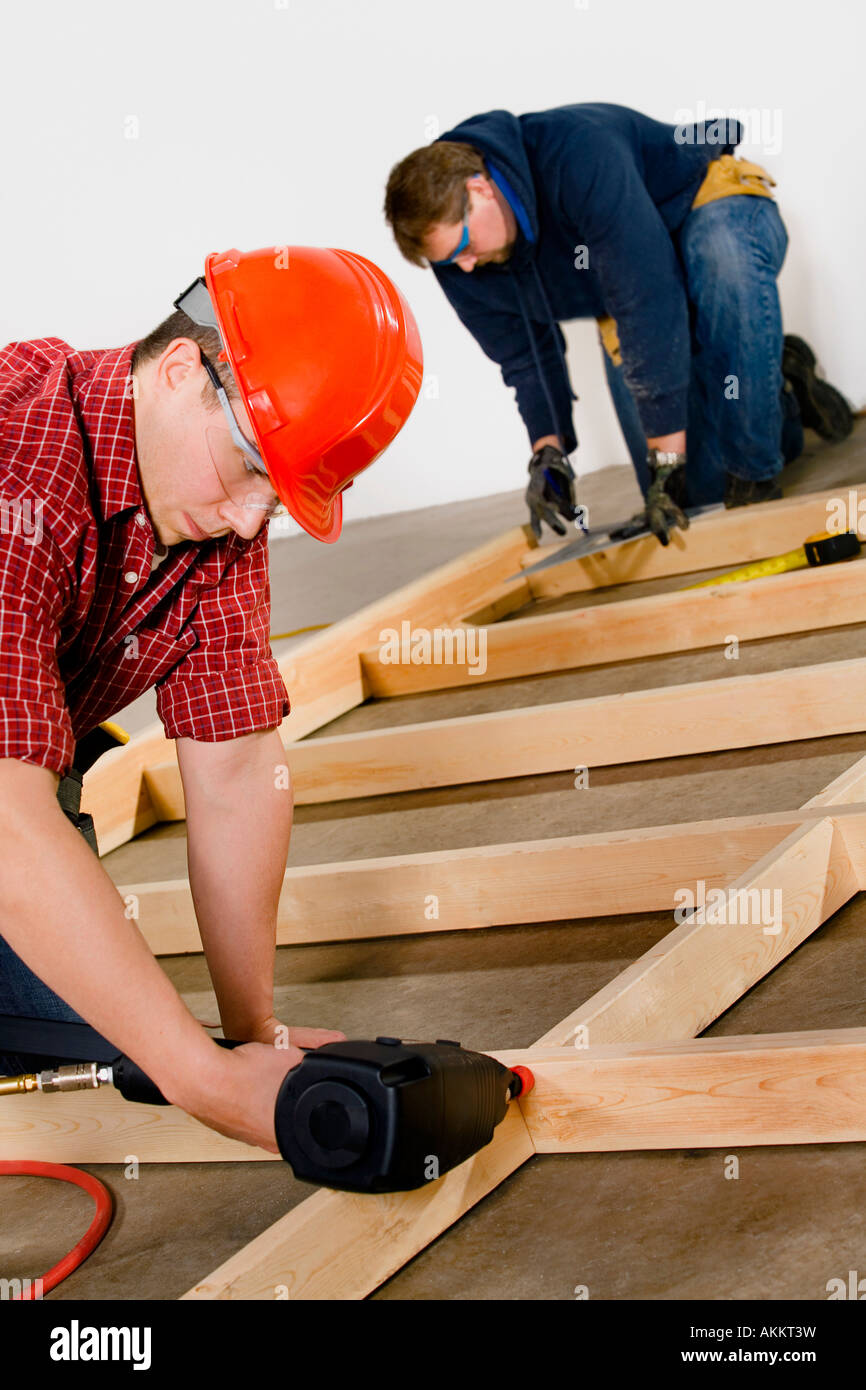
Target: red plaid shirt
85,627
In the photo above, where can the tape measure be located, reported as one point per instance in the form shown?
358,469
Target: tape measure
824,548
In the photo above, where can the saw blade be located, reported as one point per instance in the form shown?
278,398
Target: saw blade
597,538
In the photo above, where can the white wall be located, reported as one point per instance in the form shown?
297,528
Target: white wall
263,122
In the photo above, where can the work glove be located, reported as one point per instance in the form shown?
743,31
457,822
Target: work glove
667,494
551,490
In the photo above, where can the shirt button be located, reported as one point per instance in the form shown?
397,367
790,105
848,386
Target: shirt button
131,577
140,519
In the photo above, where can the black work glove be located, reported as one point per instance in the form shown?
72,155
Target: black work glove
551,490
667,494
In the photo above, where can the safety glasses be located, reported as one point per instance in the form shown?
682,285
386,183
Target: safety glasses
464,240
238,463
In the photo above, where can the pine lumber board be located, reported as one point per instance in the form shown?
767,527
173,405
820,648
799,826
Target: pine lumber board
323,676
101,1127
700,717
848,787
733,538
684,982
852,830
498,602
776,1089
115,792
595,875
665,722
799,601
782,1088
811,867
341,1245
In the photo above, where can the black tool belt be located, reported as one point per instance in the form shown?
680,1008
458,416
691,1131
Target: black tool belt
69,796
88,748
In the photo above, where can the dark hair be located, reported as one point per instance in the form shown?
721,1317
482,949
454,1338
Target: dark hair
180,325
427,187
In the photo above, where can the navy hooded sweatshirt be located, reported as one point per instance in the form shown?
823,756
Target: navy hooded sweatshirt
619,184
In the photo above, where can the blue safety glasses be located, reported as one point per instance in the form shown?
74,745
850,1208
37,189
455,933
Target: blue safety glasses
464,240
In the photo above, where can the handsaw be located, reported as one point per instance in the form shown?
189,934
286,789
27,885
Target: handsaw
595,538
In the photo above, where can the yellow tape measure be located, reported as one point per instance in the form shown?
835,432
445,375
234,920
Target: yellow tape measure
825,548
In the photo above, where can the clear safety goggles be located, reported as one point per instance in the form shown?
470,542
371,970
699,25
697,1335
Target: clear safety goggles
238,463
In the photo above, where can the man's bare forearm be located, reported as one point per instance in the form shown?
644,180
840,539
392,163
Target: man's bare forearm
669,443
239,817
552,439
60,912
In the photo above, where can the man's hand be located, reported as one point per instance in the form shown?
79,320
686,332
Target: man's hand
666,496
238,1094
551,490
280,1035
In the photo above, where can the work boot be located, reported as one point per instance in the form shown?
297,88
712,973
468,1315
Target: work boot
739,492
822,408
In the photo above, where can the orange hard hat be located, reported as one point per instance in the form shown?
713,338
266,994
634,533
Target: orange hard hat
327,356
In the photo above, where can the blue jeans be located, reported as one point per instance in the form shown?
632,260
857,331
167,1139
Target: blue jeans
23,994
740,419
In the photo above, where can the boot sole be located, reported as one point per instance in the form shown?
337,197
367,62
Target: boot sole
822,408
800,348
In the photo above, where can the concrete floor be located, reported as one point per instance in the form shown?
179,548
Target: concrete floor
656,1225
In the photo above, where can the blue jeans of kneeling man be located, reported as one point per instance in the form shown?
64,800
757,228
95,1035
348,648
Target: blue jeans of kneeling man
740,419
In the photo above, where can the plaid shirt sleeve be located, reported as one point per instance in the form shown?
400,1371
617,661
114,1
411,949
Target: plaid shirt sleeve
229,683
35,725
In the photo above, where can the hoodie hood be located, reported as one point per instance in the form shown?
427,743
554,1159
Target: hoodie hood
498,136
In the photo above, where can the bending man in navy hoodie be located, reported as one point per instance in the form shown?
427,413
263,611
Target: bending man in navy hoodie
672,244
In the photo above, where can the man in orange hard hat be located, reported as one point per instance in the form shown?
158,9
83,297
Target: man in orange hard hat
139,481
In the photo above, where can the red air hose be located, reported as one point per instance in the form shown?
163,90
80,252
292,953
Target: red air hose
95,1231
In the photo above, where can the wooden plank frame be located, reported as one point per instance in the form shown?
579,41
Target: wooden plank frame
603,1071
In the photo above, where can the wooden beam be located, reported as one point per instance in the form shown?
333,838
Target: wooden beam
705,964
668,722
362,1256
843,792
800,601
848,787
807,702
101,1127
730,538
323,676
852,830
786,1088
115,792
493,885
501,600
774,1088
339,1245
